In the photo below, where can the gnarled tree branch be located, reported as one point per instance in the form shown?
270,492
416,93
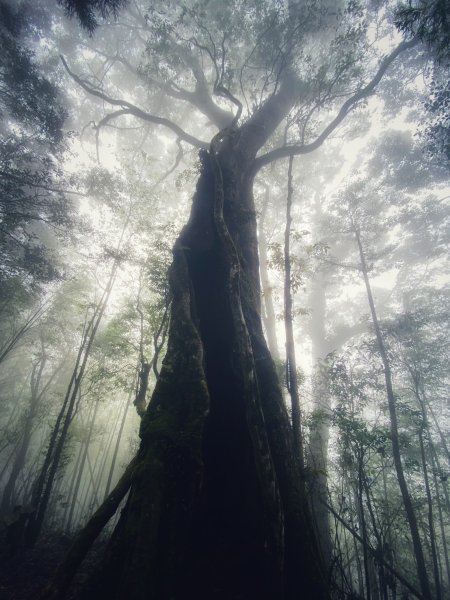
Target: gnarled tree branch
136,111
348,106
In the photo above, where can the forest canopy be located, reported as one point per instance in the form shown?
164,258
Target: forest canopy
224,316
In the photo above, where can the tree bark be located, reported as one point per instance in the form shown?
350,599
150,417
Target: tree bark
216,509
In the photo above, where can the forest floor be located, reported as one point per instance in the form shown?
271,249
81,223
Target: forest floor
23,576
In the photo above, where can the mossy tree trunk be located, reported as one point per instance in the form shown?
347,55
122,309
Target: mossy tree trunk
217,507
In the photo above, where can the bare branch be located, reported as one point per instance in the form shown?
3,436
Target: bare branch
347,107
225,93
200,99
26,181
178,158
136,111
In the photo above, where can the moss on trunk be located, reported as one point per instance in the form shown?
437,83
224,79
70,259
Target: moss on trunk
217,508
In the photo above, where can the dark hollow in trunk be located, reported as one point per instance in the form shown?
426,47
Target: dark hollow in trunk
217,508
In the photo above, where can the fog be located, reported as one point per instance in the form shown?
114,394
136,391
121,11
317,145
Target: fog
224,350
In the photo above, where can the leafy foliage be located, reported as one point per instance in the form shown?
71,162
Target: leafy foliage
87,11
429,21
437,132
31,146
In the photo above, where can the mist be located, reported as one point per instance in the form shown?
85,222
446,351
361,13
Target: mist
224,300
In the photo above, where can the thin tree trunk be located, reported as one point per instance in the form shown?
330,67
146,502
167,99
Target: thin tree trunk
66,416
104,458
82,465
51,464
38,487
439,430
388,567
291,363
362,522
6,427
94,479
36,395
20,333
20,458
268,311
44,484
89,490
441,521
117,444
70,495
411,517
317,456
380,546
443,482
434,555
86,537
159,339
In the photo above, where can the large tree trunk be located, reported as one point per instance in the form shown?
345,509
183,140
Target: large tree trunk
216,509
